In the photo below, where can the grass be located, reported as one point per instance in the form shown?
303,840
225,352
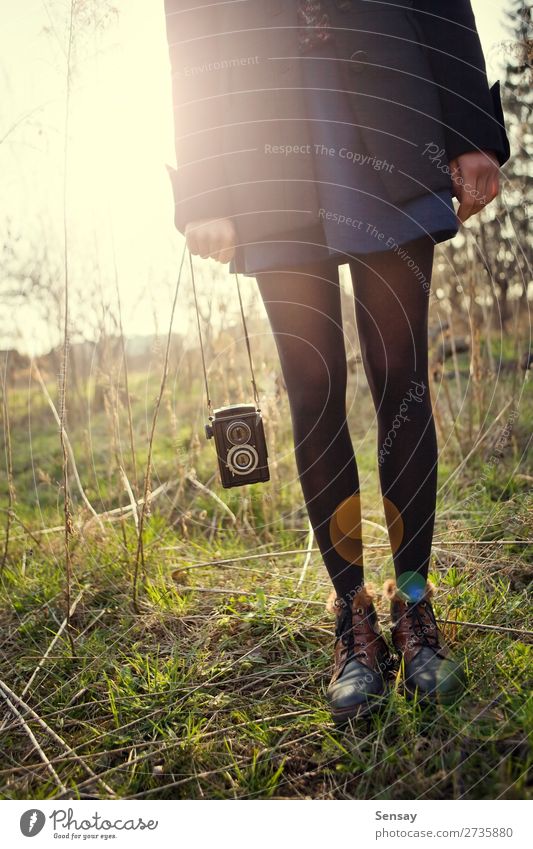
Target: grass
216,689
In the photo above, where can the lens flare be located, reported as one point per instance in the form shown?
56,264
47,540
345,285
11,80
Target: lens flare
411,586
451,680
345,530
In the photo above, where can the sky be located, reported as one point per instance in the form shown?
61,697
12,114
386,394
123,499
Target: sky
119,213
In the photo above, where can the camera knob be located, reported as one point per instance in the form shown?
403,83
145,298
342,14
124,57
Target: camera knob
208,431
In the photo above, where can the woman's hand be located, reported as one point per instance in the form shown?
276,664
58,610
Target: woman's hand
476,181
211,237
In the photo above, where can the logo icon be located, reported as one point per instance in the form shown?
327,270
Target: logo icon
32,822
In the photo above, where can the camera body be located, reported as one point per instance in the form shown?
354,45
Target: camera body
240,444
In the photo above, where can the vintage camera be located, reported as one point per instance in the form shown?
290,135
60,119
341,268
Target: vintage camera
240,444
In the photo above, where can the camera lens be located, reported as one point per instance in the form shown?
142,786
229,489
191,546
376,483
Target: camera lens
238,433
242,460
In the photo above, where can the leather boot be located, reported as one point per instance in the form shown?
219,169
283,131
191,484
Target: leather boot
429,669
362,660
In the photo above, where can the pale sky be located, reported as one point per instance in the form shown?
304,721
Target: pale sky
120,136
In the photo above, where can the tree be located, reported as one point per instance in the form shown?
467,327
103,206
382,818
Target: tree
508,259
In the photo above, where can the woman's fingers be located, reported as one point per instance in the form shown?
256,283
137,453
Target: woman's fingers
465,196
211,238
228,241
475,181
462,188
493,185
487,192
226,255
225,241
196,238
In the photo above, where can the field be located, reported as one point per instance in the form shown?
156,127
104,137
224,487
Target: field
212,683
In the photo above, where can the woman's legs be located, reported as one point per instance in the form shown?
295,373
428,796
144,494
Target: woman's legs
304,309
391,303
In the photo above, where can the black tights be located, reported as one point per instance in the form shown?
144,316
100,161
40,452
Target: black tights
391,290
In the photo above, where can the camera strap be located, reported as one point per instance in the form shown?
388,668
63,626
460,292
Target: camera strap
256,393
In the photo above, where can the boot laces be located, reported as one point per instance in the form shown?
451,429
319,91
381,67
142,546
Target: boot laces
352,633
426,634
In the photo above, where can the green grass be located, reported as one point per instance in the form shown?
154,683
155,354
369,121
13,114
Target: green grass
216,687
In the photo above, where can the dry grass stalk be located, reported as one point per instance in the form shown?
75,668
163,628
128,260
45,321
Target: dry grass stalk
48,651
9,464
139,555
191,477
114,515
126,382
111,405
12,699
64,358
33,739
68,453
475,352
453,417
133,503
454,354
309,549
52,644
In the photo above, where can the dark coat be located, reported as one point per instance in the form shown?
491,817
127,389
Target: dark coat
416,80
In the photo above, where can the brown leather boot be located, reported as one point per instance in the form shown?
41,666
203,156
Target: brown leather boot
362,660
429,668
